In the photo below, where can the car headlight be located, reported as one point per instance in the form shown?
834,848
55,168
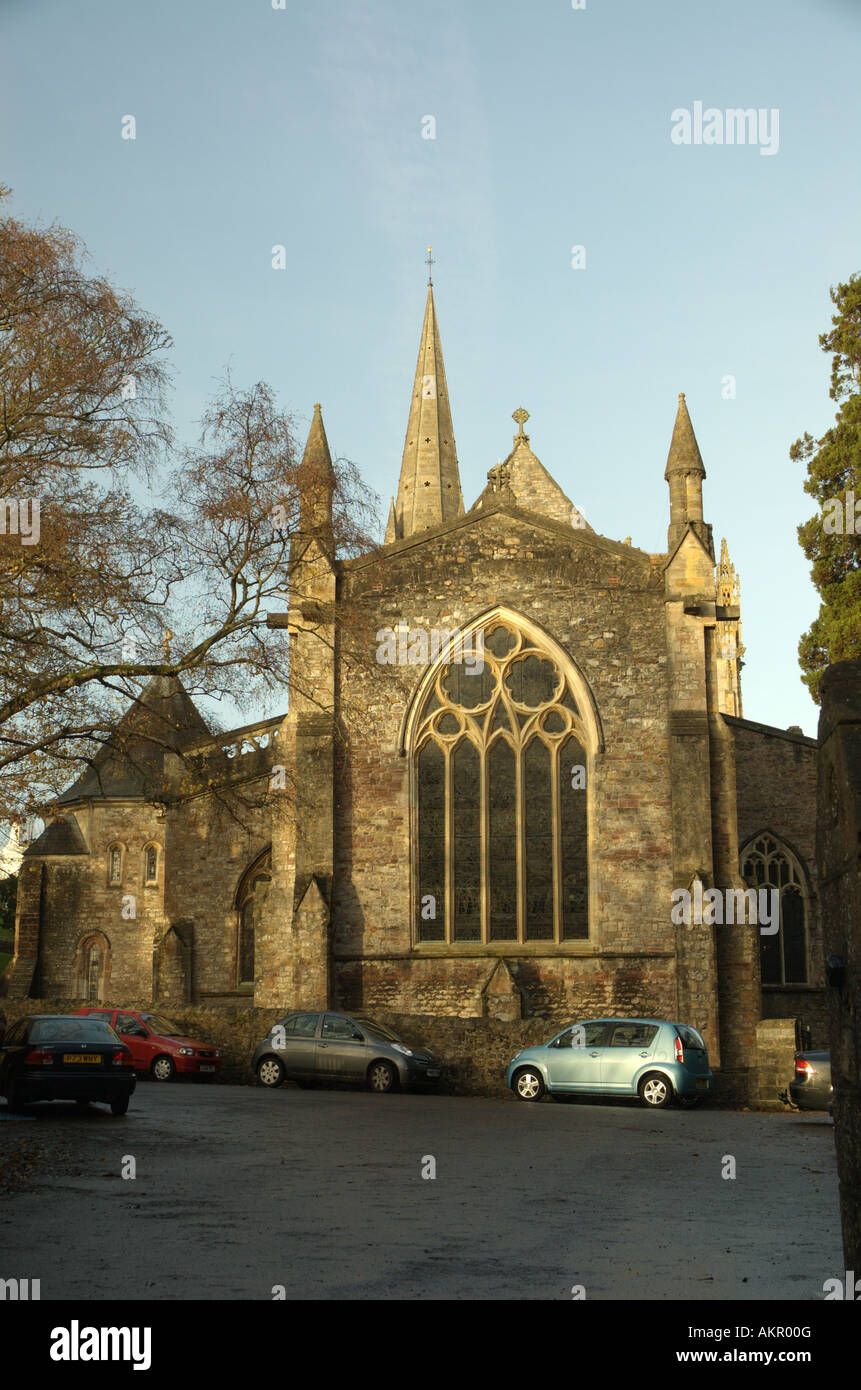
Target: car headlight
399,1047
186,1051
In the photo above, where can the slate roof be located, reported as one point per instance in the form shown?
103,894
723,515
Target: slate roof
60,836
131,762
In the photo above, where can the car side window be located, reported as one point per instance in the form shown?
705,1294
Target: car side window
302,1026
131,1026
341,1028
633,1035
583,1035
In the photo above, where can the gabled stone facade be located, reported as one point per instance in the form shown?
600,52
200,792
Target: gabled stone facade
402,775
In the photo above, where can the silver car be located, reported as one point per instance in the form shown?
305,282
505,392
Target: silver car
646,1057
310,1048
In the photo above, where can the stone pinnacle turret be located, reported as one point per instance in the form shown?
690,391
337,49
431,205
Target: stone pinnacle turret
685,473
429,492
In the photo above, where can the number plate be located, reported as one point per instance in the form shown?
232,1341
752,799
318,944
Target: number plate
82,1057
702,1084
204,1066
433,1071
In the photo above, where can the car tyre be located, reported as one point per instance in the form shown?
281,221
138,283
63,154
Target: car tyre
382,1077
270,1072
14,1100
655,1091
528,1084
120,1105
163,1069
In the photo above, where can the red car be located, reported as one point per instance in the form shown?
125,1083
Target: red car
157,1046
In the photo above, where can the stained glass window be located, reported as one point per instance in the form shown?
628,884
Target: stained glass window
151,863
783,956
501,834
431,790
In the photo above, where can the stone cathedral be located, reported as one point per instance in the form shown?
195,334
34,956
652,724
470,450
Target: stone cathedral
498,840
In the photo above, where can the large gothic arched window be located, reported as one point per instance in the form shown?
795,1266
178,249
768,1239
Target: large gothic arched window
783,956
500,797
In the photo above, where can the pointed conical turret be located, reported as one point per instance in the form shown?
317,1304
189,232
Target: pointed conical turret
429,491
684,455
317,480
391,525
684,473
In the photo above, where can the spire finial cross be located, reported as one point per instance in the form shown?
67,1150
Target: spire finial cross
430,263
521,416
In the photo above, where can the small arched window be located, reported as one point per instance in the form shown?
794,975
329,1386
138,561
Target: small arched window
249,896
765,863
92,967
151,864
500,797
115,864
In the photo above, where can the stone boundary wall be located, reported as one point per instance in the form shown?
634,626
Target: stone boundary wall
775,1055
475,1052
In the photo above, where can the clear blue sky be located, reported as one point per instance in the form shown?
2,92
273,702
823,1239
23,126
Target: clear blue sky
303,126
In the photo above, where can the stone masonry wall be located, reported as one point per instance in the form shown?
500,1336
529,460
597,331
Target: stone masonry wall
776,786
603,604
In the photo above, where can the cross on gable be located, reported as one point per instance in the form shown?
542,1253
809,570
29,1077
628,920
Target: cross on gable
521,416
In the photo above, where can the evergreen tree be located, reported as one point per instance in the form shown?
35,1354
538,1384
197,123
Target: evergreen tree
832,538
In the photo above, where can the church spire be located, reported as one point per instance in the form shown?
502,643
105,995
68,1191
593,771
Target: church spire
317,482
684,456
684,473
429,491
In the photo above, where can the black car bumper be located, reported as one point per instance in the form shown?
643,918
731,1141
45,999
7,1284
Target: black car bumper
105,1088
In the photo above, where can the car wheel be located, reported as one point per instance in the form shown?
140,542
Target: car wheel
690,1102
270,1072
528,1084
163,1069
655,1091
14,1100
382,1077
120,1106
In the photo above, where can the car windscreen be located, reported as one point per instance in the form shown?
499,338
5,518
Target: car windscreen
65,1030
159,1024
691,1039
378,1030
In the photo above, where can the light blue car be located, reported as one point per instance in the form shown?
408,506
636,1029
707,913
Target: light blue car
646,1057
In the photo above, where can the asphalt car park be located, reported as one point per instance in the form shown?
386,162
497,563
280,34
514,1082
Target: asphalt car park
239,1190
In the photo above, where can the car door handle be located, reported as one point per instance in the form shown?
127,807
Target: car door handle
593,1054
324,1044
644,1054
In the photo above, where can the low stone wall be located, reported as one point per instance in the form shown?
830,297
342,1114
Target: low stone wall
775,1057
474,1051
